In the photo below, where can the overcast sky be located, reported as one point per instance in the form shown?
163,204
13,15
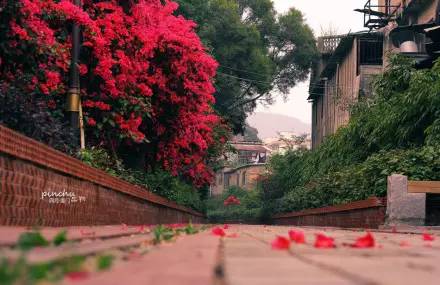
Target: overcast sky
318,13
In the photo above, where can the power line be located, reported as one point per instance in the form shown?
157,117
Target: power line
242,70
245,79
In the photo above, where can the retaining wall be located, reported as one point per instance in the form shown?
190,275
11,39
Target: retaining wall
28,169
368,213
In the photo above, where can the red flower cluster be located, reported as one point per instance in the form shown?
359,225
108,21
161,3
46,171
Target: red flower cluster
145,75
232,200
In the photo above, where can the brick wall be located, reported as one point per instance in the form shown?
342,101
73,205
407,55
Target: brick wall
368,213
29,168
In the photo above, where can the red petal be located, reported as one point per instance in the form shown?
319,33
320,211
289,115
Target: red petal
428,237
366,241
280,243
297,236
226,227
323,241
77,276
217,231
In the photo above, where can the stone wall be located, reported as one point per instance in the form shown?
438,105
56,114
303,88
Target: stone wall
246,177
28,169
368,213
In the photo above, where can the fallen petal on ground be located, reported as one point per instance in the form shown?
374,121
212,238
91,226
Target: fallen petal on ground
366,241
297,236
323,241
217,231
280,243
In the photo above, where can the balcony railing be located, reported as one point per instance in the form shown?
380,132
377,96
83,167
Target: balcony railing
328,44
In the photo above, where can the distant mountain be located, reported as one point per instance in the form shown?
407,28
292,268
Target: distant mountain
268,125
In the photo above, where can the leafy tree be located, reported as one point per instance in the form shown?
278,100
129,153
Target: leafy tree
146,79
259,51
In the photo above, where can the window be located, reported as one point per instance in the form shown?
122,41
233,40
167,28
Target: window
227,181
371,51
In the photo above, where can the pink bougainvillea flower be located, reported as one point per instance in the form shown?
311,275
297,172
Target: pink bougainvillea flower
226,227
280,243
428,237
121,80
366,241
77,275
217,231
232,200
297,236
91,122
323,241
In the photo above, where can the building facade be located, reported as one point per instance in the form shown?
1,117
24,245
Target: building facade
343,75
348,63
242,168
245,177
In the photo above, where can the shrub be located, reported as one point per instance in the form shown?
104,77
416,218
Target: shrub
29,114
394,132
248,211
160,182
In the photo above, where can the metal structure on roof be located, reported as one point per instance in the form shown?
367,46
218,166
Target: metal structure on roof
377,16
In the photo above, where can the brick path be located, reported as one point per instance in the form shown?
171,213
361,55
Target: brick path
247,258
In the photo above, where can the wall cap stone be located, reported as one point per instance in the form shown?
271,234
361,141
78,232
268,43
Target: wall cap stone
371,202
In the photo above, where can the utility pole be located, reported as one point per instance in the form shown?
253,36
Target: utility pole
74,110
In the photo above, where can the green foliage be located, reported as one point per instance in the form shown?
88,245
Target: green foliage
29,240
21,272
27,113
163,233
60,238
396,131
258,51
190,229
159,181
104,262
249,210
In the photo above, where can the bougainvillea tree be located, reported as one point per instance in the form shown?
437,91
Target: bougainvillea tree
146,79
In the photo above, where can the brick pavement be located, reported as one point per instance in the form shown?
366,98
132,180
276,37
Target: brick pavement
248,259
